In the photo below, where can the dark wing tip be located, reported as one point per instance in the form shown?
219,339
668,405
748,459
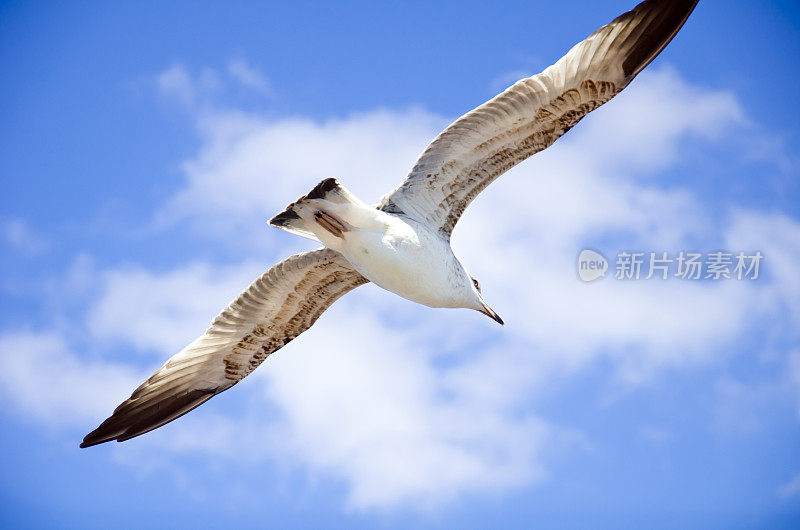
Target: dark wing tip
133,419
320,190
285,217
97,436
663,19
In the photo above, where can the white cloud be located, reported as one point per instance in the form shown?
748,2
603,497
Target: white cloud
164,312
249,76
178,83
365,407
586,186
49,383
363,397
372,407
576,193
250,168
18,235
643,128
175,81
777,236
199,91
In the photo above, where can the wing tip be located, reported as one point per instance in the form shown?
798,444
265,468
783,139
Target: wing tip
670,17
95,438
102,434
130,423
321,190
284,218
87,443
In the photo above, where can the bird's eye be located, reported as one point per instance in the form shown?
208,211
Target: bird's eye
476,284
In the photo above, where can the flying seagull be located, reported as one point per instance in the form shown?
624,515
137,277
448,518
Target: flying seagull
403,243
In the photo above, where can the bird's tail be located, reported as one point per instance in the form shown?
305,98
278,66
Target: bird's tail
329,190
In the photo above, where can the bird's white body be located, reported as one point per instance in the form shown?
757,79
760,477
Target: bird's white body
396,253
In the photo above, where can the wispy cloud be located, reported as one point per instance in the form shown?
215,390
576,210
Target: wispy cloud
395,427
178,83
17,234
49,383
249,76
201,90
161,312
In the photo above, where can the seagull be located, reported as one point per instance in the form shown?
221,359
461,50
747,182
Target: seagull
403,243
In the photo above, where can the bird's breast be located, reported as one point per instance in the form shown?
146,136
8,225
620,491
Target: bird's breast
407,261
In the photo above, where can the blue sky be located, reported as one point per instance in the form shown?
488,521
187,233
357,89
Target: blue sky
143,146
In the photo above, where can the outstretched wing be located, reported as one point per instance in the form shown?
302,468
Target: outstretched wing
532,114
277,307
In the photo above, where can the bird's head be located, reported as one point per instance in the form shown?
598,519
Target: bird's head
479,304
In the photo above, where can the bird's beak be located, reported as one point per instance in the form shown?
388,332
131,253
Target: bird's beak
489,312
